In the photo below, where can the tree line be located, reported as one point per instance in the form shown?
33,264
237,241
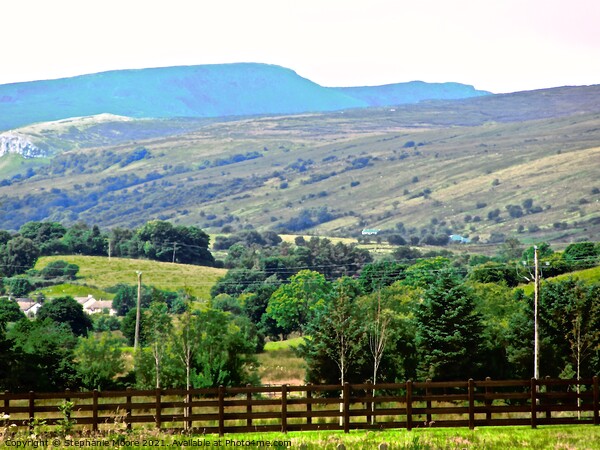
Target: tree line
412,315
156,240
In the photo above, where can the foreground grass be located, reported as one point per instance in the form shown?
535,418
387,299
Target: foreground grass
550,437
555,437
101,273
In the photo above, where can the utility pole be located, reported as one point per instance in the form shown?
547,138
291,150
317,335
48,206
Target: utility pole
138,312
174,248
536,293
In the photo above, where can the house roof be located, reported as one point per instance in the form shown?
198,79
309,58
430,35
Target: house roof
27,305
101,304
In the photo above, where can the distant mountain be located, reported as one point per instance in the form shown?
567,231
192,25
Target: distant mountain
412,92
199,91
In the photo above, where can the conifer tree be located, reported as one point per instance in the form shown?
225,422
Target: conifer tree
448,330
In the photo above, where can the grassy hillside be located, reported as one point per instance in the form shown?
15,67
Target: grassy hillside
591,275
101,273
345,171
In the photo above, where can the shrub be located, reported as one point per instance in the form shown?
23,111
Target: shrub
60,268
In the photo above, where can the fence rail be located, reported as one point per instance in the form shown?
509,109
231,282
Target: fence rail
316,407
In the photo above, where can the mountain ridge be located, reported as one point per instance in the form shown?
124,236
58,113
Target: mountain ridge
202,91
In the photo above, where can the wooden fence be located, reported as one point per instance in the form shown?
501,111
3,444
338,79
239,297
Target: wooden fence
316,407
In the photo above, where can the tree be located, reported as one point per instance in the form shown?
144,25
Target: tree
80,239
99,361
158,331
498,305
67,310
45,356
336,329
377,275
396,239
492,272
581,255
126,298
187,343
511,249
9,362
17,256
425,272
292,304
448,330
378,333
128,327
405,253
46,235
60,268
238,281
105,322
18,286
226,355
570,316
162,241
9,312
544,251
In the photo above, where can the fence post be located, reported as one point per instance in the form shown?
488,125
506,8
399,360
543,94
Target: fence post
369,404
31,409
158,408
6,403
189,409
533,403
427,394
548,401
488,403
596,401
95,410
128,409
221,410
471,404
346,407
249,407
409,405
284,408
309,404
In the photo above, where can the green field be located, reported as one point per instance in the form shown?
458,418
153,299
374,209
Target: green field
591,275
502,438
98,273
279,363
581,437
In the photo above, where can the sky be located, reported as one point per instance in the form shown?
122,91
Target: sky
495,45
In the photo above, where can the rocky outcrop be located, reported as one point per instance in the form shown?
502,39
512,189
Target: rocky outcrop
19,144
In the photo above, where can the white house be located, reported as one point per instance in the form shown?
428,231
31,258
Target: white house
93,306
28,306
370,231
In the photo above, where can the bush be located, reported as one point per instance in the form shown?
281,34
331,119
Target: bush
396,239
18,286
493,214
60,268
